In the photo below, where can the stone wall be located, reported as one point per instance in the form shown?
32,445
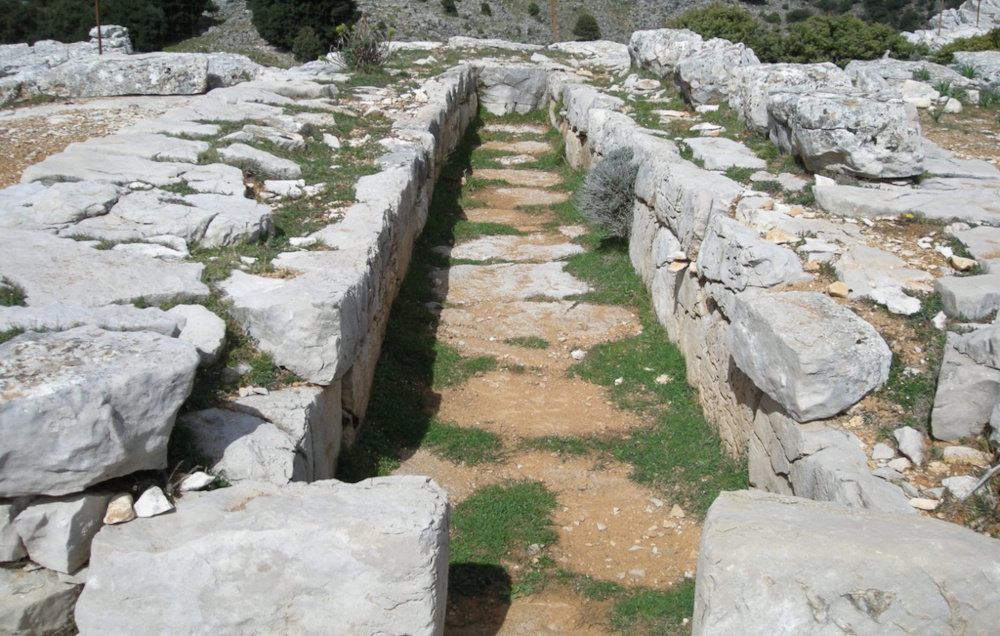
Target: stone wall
681,212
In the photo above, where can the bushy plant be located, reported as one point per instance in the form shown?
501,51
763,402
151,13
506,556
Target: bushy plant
280,21
586,28
307,45
485,8
608,192
731,23
534,10
363,47
967,70
986,42
449,7
152,24
798,15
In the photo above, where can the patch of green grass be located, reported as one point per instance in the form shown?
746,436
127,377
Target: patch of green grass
451,369
528,342
468,230
472,446
11,294
10,334
563,446
742,175
606,267
497,524
642,612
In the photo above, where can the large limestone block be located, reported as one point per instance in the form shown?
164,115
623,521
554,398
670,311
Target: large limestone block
808,353
506,89
685,198
241,155
969,297
753,83
112,75
309,414
324,558
57,531
868,136
965,397
85,405
33,205
659,50
707,77
736,256
35,602
785,566
60,270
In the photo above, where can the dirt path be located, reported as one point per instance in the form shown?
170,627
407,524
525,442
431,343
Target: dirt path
512,295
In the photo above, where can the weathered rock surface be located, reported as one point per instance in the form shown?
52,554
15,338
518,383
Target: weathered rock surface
59,270
57,531
719,153
505,89
11,546
274,167
942,199
872,137
328,557
84,405
35,602
707,76
911,443
966,395
659,50
982,345
244,447
812,356
983,243
753,83
865,269
969,297
761,570
59,317
34,206
203,329
142,74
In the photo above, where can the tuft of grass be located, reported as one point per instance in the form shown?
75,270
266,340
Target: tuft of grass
11,294
10,334
654,611
451,369
528,342
471,446
606,267
498,523
741,175
921,74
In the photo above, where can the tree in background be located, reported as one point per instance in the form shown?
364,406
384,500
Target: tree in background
586,28
152,24
281,21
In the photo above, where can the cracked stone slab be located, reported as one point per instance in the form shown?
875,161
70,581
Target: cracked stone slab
53,269
534,247
762,570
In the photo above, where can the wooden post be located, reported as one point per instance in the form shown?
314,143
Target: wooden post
940,18
552,10
97,18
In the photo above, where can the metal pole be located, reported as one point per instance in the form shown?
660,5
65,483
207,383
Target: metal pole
97,18
552,10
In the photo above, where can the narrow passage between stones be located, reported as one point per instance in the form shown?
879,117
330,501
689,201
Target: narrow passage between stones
477,389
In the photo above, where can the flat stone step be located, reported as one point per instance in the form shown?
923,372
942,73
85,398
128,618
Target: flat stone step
516,129
527,147
533,247
534,178
471,283
503,197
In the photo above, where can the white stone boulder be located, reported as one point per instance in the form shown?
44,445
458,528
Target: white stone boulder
112,75
35,602
965,397
708,75
323,558
659,50
85,405
57,531
60,270
753,83
805,351
505,89
868,136
785,566
202,328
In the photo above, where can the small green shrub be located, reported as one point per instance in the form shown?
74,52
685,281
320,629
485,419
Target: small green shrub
989,98
485,9
11,294
986,42
449,7
586,28
607,195
281,21
798,15
968,70
534,10
921,74
772,18
307,45
362,47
